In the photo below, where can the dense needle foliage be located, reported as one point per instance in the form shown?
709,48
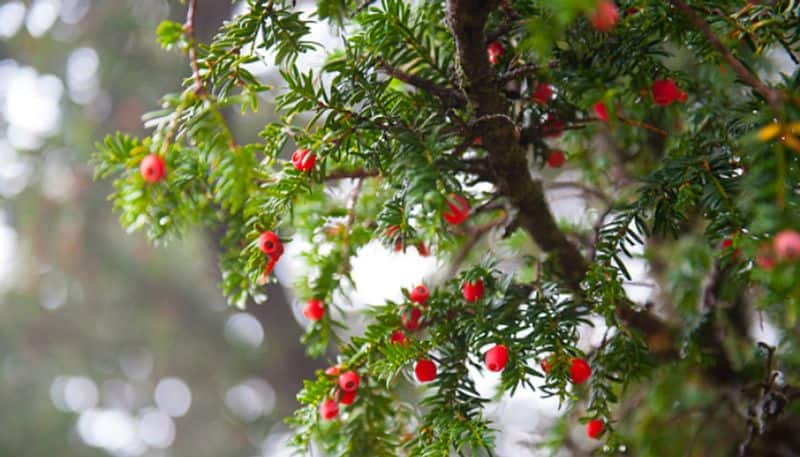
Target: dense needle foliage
675,126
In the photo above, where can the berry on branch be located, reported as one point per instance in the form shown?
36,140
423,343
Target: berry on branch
556,159
472,290
457,209
348,381
420,294
314,310
605,16
269,243
425,370
787,245
411,319
666,92
346,398
601,111
543,93
399,337
329,409
496,358
594,428
579,371
495,50
303,160
152,168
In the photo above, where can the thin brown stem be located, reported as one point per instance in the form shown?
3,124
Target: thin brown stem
188,29
772,96
450,97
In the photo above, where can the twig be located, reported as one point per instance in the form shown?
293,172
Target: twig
351,174
451,97
475,235
772,96
580,186
188,29
644,125
352,200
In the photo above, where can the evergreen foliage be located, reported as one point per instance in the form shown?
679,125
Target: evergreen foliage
393,118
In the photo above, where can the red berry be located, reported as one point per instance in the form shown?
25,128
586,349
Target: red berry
601,111
547,364
477,141
666,92
270,244
303,160
420,294
457,209
594,428
346,398
579,371
555,159
314,310
329,409
543,93
787,245
348,381
332,371
766,257
552,127
726,243
496,358
495,50
411,319
152,168
422,250
398,337
425,370
473,291
605,16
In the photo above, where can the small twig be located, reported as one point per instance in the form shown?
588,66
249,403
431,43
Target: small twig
451,97
772,96
580,186
351,174
475,235
352,200
188,29
644,125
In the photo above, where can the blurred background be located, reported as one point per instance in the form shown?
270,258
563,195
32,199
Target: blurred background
108,345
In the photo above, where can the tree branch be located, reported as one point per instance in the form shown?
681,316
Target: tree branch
451,97
772,96
509,164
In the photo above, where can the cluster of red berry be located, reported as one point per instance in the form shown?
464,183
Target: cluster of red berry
579,372
271,245
346,392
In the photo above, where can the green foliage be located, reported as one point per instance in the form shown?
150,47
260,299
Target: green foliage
392,129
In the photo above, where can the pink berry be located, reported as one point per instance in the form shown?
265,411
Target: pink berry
787,245
605,16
